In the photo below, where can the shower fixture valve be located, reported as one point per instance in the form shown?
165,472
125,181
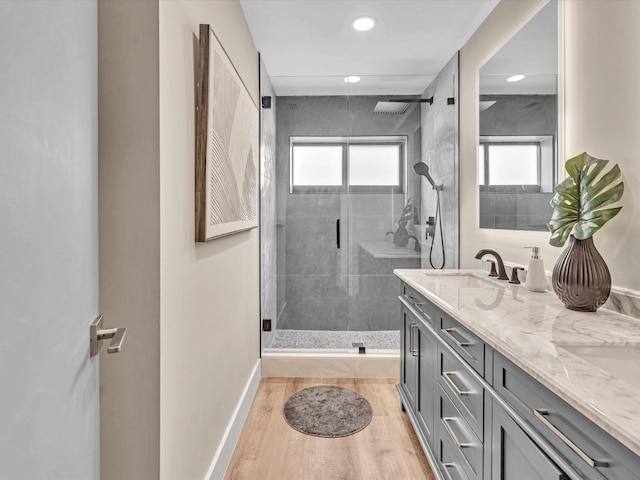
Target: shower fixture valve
431,227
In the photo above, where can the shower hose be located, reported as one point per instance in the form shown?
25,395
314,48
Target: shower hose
435,224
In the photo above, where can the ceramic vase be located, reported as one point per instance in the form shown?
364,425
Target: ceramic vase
581,278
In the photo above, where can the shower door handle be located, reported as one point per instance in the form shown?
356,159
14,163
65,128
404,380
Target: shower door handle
338,233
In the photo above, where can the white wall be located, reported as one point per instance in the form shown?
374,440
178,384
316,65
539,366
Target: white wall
129,185
601,101
209,292
602,114
192,309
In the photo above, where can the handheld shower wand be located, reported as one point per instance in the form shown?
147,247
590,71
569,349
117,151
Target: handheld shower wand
422,168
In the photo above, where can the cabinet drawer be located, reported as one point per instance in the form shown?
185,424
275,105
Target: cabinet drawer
463,388
468,346
515,455
586,446
421,304
450,462
453,426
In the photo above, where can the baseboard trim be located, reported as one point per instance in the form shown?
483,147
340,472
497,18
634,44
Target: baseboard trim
317,364
222,457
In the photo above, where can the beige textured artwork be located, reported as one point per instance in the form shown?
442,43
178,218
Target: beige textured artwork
230,200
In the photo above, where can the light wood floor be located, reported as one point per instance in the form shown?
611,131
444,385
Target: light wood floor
269,449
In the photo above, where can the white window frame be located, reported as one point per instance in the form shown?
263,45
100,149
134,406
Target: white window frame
546,162
345,142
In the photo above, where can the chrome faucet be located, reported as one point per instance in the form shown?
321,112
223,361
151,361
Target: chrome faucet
502,274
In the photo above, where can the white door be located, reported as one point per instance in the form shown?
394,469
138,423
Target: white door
49,384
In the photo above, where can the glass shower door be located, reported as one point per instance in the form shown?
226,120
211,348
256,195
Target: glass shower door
312,258
383,215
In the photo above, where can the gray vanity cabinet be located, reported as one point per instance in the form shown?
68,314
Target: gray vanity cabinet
515,456
590,450
480,417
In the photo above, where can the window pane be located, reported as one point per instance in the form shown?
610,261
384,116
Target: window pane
374,165
513,165
481,165
317,165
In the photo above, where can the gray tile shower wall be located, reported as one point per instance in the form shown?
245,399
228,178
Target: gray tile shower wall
323,287
510,211
514,115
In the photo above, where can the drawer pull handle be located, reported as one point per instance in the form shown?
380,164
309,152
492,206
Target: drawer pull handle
460,393
454,437
418,305
414,301
446,471
541,414
447,333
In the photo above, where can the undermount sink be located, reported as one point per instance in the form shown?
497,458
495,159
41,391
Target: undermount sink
622,362
460,281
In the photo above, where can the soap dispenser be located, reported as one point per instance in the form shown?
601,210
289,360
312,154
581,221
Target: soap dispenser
536,276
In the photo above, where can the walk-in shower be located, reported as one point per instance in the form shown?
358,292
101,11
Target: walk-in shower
342,207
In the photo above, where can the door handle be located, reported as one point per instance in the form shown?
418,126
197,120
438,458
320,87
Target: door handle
411,338
97,334
416,351
338,233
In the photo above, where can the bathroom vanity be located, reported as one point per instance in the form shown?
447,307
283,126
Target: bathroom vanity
503,383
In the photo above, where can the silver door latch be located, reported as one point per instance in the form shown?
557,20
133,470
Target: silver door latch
98,334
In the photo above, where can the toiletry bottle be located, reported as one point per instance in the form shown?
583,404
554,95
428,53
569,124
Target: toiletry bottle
536,277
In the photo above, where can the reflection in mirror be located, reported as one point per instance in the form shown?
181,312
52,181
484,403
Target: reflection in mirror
517,153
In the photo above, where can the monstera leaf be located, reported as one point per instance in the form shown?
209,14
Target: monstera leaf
578,205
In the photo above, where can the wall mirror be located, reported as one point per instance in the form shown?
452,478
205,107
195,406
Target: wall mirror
518,119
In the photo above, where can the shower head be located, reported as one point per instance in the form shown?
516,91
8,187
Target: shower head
422,168
398,106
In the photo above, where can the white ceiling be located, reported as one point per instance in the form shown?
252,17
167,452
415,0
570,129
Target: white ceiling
309,46
533,52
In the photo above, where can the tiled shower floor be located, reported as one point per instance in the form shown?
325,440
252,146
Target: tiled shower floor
378,340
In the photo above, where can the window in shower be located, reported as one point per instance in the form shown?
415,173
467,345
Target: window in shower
355,164
515,163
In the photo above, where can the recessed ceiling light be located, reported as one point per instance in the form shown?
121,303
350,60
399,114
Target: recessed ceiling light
362,24
515,78
352,79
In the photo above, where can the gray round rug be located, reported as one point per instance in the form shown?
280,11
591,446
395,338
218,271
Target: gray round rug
327,411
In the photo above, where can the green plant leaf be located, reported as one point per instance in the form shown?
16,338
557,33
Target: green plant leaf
559,235
580,198
590,224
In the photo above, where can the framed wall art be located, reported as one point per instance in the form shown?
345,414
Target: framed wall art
226,163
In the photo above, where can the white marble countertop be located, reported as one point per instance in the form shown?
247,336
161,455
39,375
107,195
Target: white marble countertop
536,332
